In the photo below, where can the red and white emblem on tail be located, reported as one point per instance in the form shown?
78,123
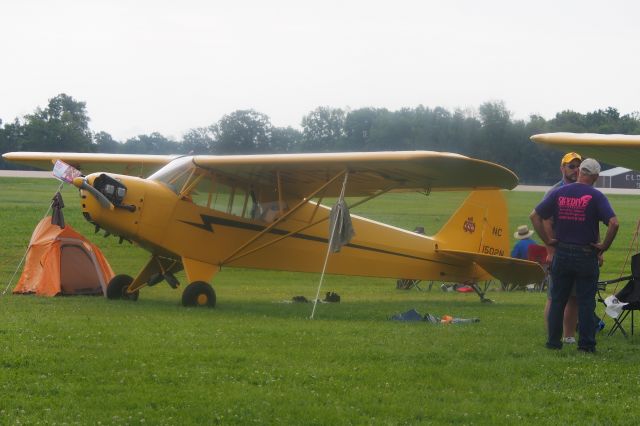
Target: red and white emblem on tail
469,225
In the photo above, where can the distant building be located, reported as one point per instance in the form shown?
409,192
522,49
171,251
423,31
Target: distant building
618,177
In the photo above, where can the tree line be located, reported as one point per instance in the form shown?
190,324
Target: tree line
490,133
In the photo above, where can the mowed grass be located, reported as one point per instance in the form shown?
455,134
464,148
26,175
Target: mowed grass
87,360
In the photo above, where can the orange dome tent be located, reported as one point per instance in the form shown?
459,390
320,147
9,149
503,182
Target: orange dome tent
61,261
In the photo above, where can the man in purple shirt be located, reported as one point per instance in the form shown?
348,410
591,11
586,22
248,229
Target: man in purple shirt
576,210
569,167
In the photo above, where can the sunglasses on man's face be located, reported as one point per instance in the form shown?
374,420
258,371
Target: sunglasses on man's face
573,166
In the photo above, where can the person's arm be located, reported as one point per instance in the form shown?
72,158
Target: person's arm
612,230
542,219
548,227
538,225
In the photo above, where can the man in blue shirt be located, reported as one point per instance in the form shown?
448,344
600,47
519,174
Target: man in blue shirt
576,210
521,248
569,167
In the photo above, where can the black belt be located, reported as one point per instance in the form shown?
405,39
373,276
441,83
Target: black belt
580,247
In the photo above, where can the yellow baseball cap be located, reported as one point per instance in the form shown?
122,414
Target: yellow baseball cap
569,157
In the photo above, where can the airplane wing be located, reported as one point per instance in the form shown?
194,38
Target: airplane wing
506,269
620,150
369,172
128,164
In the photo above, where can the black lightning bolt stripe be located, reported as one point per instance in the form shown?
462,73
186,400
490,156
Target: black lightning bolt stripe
208,221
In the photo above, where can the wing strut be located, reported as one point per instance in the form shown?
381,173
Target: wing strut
237,255
305,200
332,235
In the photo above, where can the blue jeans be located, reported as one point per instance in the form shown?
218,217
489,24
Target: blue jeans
574,264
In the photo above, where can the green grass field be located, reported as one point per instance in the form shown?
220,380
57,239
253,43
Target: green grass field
253,360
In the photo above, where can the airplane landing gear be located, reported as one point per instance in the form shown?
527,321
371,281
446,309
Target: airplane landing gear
199,293
117,288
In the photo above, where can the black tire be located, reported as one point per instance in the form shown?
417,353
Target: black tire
199,293
117,288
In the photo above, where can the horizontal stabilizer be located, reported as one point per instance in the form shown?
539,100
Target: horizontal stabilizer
505,269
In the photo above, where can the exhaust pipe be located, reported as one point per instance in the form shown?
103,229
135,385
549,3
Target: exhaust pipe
81,183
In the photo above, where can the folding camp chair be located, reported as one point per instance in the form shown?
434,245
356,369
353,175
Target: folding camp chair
408,284
630,294
537,253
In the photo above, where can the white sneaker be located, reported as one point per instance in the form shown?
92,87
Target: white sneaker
569,340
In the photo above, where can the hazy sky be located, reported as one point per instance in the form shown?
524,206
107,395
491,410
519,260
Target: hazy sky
169,66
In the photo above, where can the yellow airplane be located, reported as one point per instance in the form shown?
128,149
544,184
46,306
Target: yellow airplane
621,150
202,213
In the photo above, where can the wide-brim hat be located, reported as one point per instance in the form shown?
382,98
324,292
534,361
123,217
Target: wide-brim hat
522,232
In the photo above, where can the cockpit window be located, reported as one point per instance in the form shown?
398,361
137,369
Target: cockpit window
175,174
206,188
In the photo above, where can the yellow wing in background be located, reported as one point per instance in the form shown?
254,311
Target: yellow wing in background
126,164
368,171
619,150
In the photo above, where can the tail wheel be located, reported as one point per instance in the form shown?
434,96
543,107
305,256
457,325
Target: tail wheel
117,288
199,293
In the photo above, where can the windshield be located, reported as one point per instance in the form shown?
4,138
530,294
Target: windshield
217,191
174,174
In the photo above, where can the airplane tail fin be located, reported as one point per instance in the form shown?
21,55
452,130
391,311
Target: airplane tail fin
480,225
478,232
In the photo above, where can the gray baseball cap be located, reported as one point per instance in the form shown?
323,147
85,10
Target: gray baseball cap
589,166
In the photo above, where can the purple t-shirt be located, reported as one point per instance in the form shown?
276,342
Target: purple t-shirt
576,209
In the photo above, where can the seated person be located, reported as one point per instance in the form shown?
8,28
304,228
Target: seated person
271,210
521,248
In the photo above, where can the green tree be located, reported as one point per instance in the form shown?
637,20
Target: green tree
285,139
496,121
62,126
432,129
323,129
538,164
242,132
10,137
465,128
106,144
568,121
393,131
199,141
357,128
154,143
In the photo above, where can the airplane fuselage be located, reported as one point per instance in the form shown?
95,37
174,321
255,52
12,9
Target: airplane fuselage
167,224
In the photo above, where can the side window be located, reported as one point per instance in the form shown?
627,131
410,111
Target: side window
204,191
219,196
222,197
240,202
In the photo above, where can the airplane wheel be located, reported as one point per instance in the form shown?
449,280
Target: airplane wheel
199,293
117,288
